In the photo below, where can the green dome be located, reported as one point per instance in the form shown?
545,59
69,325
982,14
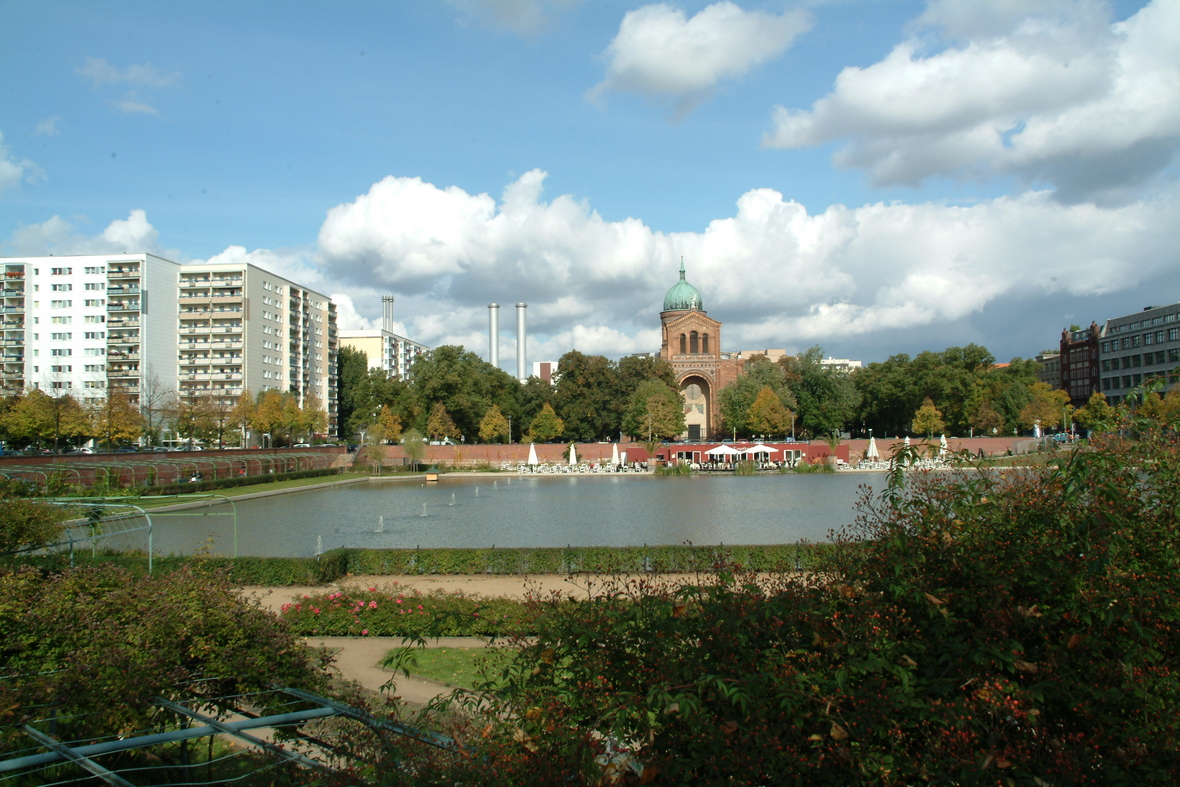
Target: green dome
682,296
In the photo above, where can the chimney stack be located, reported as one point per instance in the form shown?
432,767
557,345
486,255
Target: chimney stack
520,339
494,334
387,313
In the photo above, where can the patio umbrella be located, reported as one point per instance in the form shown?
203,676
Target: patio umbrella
722,450
761,449
871,451
623,458
942,445
533,454
573,455
907,441
614,455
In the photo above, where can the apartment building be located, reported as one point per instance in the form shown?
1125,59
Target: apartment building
386,350
1078,360
1138,347
88,323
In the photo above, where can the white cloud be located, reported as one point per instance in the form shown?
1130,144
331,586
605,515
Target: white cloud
48,127
1050,92
523,17
773,272
58,236
129,107
100,73
660,52
14,171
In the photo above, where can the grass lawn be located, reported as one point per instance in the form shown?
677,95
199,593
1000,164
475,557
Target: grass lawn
463,667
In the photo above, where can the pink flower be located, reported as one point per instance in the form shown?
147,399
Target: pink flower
372,590
364,632
399,601
419,606
372,605
315,610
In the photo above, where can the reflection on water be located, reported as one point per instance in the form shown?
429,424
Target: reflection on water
530,512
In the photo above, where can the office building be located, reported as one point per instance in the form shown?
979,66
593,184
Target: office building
1138,347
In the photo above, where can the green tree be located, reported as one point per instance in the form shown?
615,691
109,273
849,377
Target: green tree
466,385
194,420
736,399
414,445
586,397
493,427
928,419
1048,407
987,420
387,428
767,415
268,414
38,417
26,523
546,426
440,424
243,413
826,397
1096,415
115,419
655,412
353,391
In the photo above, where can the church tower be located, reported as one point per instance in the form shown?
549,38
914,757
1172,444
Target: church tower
691,343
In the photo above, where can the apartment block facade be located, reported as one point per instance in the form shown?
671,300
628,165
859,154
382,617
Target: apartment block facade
385,350
1139,347
88,323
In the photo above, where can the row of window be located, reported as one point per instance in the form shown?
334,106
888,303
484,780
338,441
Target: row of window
1133,381
1146,359
1134,326
1141,340
694,343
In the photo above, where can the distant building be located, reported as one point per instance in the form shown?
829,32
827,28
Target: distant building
1139,347
1080,364
546,370
841,364
1050,369
385,350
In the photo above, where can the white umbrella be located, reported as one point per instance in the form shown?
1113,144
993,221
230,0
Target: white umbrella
573,455
761,449
942,445
723,450
614,455
623,458
533,454
907,441
871,451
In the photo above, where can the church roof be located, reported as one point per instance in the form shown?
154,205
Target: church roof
683,295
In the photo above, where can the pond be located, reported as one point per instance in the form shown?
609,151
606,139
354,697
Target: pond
512,511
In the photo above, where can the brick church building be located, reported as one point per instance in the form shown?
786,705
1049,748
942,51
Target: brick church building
691,342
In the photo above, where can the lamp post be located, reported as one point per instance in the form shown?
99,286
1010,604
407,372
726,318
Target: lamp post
509,430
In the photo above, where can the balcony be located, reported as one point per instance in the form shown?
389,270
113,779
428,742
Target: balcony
15,309
123,273
126,322
123,306
129,289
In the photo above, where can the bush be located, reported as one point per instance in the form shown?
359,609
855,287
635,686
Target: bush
391,612
1017,628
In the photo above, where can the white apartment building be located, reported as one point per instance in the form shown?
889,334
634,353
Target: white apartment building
86,323
385,349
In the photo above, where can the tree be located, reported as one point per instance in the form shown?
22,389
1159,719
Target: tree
315,418
353,391
826,397
267,418
440,425
586,397
26,523
736,399
928,419
546,426
38,416
115,419
767,414
194,421
1096,415
465,385
414,445
986,420
243,414
157,404
220,411
387,428
1048,407
493,427
655,412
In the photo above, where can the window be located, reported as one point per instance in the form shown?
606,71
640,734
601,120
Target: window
61,369
94,351
92,367
96,286
61,337
60,271
95,269
1148,338
705,343
61,353
1138,379
60,304
1137,341
1126,381
96,302
694,343
63,385
1134,361
1174,355
1106,366
96,334
94,384
61,320
683,344
1126,362
62,287
1173,334
1159,356
1126,342
93,318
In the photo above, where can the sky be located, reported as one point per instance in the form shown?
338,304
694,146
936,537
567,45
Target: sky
868,176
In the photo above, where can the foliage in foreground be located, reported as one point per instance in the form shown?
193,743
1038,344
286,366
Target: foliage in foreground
93,646
1017,628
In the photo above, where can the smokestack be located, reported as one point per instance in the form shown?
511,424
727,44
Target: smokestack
387,313
494,334
520,337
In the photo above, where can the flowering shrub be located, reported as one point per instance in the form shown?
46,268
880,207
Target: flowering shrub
394,612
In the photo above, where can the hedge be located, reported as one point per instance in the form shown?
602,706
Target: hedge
338,563
210,484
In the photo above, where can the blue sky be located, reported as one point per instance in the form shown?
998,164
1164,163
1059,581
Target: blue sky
872,177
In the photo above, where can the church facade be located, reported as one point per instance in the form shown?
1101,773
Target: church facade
691,343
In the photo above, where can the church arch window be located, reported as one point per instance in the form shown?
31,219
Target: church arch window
694,345
683,344
705,343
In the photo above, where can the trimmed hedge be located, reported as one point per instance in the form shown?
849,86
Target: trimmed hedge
211,484
338,563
